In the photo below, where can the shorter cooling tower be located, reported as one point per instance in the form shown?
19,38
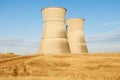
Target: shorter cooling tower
75,35
54,35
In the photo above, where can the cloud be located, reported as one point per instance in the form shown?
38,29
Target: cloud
107,42
18,46
110,24
104,47
18,43
107,37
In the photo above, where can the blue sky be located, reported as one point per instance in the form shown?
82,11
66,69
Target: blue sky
21,23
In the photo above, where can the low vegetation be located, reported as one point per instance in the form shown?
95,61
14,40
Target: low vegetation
62,67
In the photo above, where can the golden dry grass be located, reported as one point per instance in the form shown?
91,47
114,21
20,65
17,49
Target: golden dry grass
63,67
2,56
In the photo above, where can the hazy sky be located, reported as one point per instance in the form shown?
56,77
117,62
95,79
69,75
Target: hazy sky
21,23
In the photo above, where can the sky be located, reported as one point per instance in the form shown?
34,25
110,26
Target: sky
21,23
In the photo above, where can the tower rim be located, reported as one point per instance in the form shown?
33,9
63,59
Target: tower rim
53,7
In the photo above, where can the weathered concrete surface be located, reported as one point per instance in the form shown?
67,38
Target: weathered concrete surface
75,35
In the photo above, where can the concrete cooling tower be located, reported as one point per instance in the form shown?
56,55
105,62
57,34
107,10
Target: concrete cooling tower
75,35
54,34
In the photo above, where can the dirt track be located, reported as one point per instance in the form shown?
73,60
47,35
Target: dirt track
14,61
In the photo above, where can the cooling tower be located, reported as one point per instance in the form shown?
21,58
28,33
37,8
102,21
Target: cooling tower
54,34
75,35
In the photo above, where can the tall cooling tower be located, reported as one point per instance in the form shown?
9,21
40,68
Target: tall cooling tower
75,35
54,34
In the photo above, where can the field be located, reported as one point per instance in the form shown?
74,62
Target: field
97,66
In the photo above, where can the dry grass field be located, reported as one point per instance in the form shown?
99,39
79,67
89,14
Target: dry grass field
99,66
